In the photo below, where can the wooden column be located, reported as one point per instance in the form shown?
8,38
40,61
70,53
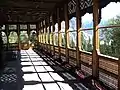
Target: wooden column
7,33
43,36
118,74
49,34
78,38
28,30
95,57
45,33
39,33
66,31
46,43
18,29
42,32
37,30
59,30
53,27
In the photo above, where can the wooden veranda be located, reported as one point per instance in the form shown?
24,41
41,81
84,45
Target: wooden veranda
40,16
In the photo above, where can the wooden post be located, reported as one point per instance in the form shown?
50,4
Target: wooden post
28,30
46,32
39,33
7,33
59,30
78,22
66,31
18,29
46,37
49,34
95,57
37,30
118,74
45,29
42,32
53,26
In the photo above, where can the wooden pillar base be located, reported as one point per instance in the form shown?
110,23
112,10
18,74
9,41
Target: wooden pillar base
119,73
95,64
78,57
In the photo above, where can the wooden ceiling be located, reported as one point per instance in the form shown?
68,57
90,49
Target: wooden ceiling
28,10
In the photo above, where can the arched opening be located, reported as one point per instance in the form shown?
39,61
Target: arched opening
56,35
13,40
33,38
63,33
24,40
13,37
72,32
87,32
110,30
4,37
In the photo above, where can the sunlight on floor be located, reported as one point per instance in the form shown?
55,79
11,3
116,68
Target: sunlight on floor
33,87
39,76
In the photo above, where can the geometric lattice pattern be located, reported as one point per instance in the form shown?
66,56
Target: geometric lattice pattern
83,5
8,78
72,6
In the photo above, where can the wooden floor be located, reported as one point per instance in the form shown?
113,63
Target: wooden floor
30,71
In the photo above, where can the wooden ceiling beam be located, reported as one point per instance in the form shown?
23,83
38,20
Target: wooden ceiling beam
27,8
44,1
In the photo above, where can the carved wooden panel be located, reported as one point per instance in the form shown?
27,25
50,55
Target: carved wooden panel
85,3
108,65
56,49
72,61
32,26
63,51
72,53
109,80
63,58
12,27
72,6
86,69
87,58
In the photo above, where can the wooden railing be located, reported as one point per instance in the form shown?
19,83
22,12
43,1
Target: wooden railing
108,66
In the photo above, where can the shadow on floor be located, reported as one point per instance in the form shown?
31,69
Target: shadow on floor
29,71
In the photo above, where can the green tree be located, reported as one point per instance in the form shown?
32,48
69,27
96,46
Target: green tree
89,45
83,42
112,38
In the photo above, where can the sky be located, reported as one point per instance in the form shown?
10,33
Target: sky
110,11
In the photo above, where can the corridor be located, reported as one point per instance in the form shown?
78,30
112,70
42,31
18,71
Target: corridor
31,72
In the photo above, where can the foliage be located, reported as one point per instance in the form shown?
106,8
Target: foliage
24,37
86,44
13,38
33,37
111,44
